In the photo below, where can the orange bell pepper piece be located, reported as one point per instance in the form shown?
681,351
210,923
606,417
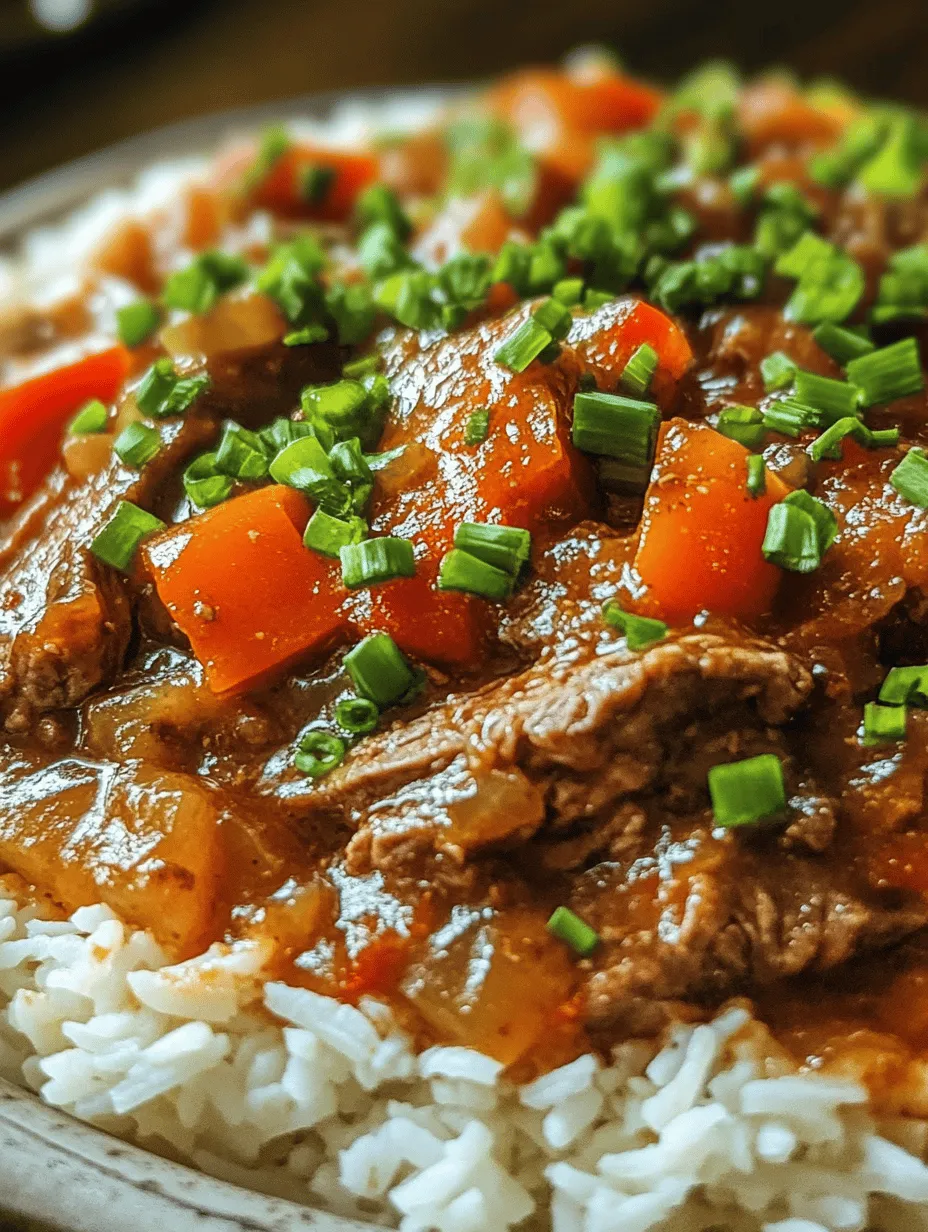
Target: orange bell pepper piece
351,173
239,583
605,340
34,413
701,530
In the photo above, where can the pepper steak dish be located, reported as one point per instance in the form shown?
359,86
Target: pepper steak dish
478,578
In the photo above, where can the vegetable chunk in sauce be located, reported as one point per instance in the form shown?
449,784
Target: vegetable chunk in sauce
392,583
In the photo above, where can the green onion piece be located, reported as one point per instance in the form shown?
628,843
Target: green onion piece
526,344
744,424
162,392
573,931
828,445
305,465
314,183
840,343
829,282
478,427
345,407
306,336
462,571
791,539
826,524
777,371
743,792
757,475
290,278
283,432
357,715
905,686
379,670
593,299
791,418
504,547
620,428
241,453
910,478
319,753
835,399
896,169
639,631
569,291
883,438
883,724
137,322
137,444
328,535
376,560
743,184
379,204
348,462
365,365
204,484
351,307
117,542
275,142
554,316
197,287
91,418
892,372
637,373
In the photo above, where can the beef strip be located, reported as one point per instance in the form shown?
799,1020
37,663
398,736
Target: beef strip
66,619
560,745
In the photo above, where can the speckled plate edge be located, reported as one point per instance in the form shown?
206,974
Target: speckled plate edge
53,1168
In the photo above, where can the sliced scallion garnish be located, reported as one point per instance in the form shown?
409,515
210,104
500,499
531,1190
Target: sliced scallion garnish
748,791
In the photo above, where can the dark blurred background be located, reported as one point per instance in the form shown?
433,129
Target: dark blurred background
115,67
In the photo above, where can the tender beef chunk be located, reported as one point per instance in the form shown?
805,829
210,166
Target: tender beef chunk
65,619
735,915
560,746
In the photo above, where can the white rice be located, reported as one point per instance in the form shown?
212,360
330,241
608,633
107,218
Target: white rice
291,1093
299,1095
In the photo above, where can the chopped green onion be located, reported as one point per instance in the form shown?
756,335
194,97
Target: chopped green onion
137,444
836,399
554,316
319,753
306,336
290,278
828,445
162,392
379,670
348,462
757,475
478,427
204,484
569,291
365,365
197,287
621,428
777,371
910,478
136,322
743,184
593,299
573,931
743,792
379,204
343,406
314,183
504,547
637,374
525,345
883,724
791,418
118,541
744,424
275,142
376,560
639,631
357,715
305,465
462,571
91,418
351,306
381,252
791,540
892,372
328,535
241,453
896,169
840,343
829,282
905,686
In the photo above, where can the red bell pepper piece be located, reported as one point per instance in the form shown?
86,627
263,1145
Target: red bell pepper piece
34,413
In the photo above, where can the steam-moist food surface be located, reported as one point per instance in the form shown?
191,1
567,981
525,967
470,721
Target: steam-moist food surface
472,913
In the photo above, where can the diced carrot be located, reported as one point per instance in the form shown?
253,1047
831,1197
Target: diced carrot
605,340
701,530
444,627
352,172
773,110
33,416
239,583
